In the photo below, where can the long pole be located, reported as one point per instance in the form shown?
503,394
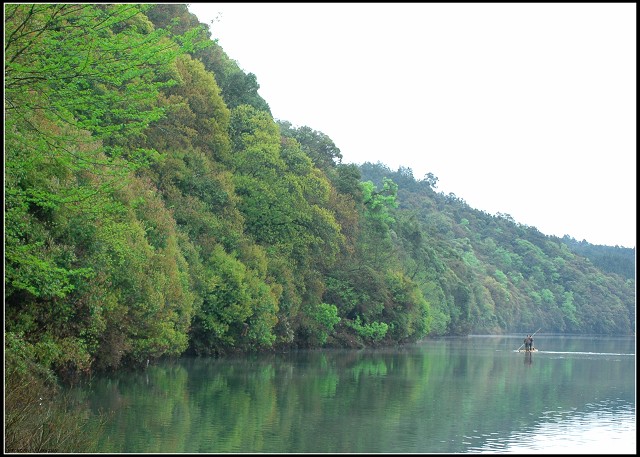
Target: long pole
531,337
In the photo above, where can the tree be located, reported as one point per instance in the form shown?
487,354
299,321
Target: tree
81,84
317,145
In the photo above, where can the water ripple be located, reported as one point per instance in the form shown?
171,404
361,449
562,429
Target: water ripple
603,431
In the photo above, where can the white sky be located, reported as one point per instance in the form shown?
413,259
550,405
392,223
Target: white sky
527,109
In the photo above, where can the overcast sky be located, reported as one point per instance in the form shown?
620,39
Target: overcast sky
527,109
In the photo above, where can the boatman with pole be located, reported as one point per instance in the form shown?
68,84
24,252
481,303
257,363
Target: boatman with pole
528,342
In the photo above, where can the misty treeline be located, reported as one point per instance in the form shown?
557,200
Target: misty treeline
154,207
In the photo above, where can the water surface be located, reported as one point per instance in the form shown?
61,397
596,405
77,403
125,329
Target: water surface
455,395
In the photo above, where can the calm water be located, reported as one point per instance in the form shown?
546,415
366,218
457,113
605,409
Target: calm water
462,395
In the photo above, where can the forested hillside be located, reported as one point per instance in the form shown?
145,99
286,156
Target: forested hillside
612,259
154,207
496,274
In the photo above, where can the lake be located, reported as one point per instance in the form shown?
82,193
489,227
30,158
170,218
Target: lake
472,394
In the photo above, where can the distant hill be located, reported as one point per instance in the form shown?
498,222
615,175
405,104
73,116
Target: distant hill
504,275
612,259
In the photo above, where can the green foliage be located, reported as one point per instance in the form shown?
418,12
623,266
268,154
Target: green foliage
376,235
238,307
89,66
408,312
237,87
321,320
379,203
533,273
373,331
226,299
317,145
94,275
501,277
343,293
612,259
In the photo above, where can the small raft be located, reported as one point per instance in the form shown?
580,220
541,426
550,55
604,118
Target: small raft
524,350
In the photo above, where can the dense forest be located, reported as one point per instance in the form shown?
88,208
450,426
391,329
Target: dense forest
154,207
